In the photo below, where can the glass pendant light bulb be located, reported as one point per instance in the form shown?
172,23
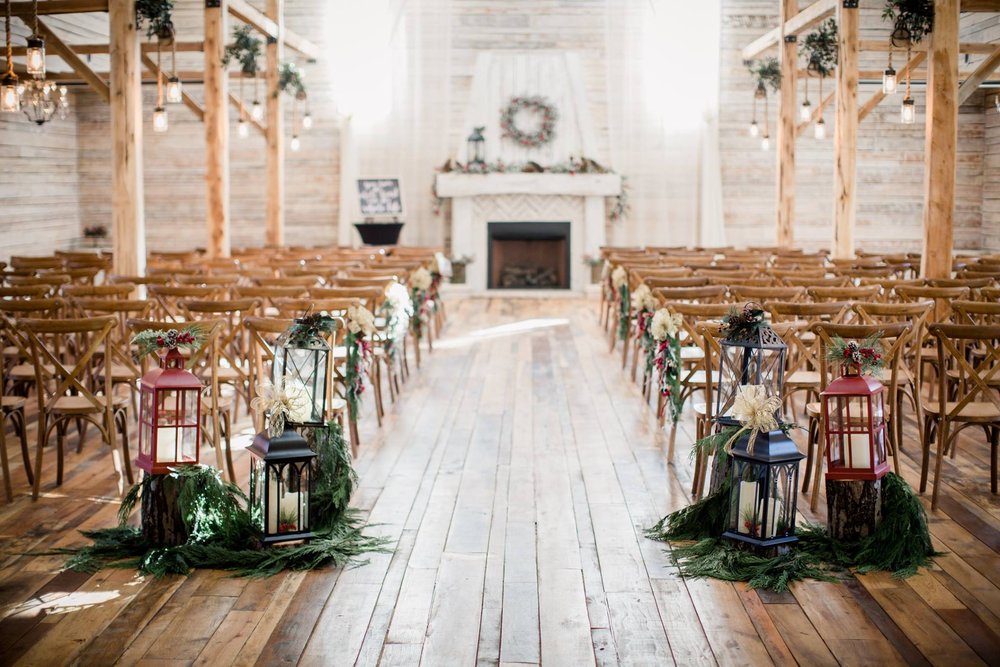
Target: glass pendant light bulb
908,111
243,129
889,81
754,129
307,121
996,101
35,56
820,130
765,143
257,110
806,110
10,95
295,145
160,123
175,90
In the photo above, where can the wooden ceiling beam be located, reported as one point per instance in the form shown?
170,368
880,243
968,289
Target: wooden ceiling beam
877,98
971,84
104,49
95,81
189,101
802,21
981,5
883,46
252,16
59,7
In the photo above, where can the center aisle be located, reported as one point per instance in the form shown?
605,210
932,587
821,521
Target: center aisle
517,478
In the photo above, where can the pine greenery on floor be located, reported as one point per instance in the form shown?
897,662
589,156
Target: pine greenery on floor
222,533
901,544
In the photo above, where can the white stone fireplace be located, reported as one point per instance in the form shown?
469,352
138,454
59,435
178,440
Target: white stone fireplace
479,199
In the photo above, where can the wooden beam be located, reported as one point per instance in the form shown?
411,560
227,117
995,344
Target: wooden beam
785,141
845,143
216,129
104,49
238,103
275,134
941,142
877,98
52,7
981,5
99,84
127,207
916,76
802,21
976,79
883,46
189,101
250,15
817,112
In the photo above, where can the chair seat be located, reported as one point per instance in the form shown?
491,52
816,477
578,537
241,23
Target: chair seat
209,403
692,353
81,405
977,411
814,409
123,373
11,403
697,378
338,404
229,374
953,374
27,371
803,379
700,408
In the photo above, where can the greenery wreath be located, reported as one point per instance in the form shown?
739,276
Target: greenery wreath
542,135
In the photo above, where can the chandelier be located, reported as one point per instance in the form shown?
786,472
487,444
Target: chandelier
41,100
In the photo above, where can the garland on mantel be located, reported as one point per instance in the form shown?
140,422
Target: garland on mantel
617,210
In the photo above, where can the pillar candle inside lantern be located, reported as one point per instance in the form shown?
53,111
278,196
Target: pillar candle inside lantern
860,451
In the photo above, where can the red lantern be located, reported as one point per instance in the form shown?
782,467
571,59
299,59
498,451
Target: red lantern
169,416
854,412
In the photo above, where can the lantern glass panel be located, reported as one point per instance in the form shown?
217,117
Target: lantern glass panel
280,504
742,364
763,502
177,425
146,422
304,368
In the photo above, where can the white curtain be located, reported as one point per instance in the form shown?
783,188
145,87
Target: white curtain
663,97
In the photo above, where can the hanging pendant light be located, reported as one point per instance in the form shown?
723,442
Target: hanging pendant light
908,110
765,143
35,52
820,130
295,144
307,120
758,94
175,91
256,108
889,78
10,99
996,101
754,129
242,127
160,122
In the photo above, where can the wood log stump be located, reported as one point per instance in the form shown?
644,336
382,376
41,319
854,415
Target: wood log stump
722,465
162,521
854,508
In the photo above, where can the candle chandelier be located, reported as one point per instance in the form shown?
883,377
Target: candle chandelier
38,99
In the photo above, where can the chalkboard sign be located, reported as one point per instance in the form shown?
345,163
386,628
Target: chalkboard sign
380,196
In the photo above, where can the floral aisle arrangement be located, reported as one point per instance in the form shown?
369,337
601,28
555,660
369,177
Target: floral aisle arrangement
619,286
222,533
421,282
360,329
664,354
397,309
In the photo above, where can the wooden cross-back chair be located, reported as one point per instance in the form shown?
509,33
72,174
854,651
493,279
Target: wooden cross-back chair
971,400
784,274
12,407
63,356
802,357
984,313
643,273
20,374
168,298
654,282
233,346
267,297
124,368
115,291
942,313
888,286
894,339
706,294
833,281
24,292
37,263
223,283
974,284
821,294
761,294
216,409
307,281
53,281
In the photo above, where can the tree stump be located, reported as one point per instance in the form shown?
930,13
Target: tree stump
162,521
854,508
722,465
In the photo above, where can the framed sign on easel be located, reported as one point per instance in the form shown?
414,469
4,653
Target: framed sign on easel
380,203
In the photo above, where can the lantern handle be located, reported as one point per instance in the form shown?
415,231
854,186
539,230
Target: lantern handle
172,359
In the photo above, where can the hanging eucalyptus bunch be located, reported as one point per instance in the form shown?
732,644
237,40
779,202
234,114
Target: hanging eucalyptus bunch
767,72
912,20
157,16
291,80
820,49
245,50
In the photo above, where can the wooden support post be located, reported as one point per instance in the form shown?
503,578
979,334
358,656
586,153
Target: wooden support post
845,142
785,233
275,129
127,208
216,129
941,142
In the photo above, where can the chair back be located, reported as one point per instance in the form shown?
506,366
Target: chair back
820,294
761,294
116,291
24,292
263,333
707,294
982,313
168,299
894,339
972,353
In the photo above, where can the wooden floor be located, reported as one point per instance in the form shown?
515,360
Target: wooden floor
515,477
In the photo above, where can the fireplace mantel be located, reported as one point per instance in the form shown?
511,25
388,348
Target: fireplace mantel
479,199
576,185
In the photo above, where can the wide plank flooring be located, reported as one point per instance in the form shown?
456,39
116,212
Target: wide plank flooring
515,477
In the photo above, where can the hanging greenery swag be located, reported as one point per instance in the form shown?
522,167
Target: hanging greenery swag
767,73
291,80
358,354
157,16
222,533
245,50
901,544
911,20
820,49
191,337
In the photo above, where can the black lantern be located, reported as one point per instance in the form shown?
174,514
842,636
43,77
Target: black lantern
749,355
475,152
301,361
281,477
763,490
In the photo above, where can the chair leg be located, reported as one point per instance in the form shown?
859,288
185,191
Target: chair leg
8,491
376,382
353,427
925,446
21,425
60,440
811,440
227,435
820,455
42,433
122,418
81,429
942,439
994,441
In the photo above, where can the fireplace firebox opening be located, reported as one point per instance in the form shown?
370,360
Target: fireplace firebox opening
528,255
